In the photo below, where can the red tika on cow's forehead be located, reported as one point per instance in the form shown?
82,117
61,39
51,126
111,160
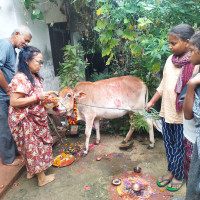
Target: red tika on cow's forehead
63,92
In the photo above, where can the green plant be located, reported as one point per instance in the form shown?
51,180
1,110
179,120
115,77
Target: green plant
33,7
124,129
122,125
139,123
73,67
100,76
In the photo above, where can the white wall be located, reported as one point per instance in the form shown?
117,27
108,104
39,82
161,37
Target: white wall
8,19
12,14
52,11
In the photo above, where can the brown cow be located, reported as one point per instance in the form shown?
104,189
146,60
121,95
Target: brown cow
126,92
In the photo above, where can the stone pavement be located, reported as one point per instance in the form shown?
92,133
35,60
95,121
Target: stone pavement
8,175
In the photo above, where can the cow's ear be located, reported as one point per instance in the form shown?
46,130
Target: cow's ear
79,95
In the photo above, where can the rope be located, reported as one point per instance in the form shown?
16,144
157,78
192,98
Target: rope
110,108
153,114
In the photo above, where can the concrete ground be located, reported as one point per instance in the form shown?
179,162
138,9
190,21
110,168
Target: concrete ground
72,181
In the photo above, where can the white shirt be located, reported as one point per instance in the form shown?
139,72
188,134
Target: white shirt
189,130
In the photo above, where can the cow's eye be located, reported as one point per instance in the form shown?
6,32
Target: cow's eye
69,95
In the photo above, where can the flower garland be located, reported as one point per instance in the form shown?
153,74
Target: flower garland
70,120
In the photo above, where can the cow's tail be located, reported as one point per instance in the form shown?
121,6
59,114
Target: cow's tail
146,95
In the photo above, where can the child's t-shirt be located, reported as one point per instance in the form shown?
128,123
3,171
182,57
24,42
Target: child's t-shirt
166,90
189,130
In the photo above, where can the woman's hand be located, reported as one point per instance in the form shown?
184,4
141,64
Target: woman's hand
43,95
149,105
8,91
152,102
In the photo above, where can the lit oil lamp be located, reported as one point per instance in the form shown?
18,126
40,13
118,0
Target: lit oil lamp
136,187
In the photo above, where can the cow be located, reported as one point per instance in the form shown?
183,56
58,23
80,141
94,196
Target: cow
125,95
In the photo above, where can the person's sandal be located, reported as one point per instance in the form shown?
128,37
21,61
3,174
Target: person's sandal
171,189
162,180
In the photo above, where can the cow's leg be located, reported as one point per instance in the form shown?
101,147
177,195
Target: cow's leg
124,143
129,134
151,134
88,129
97,127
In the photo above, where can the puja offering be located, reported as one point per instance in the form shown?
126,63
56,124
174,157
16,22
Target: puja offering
52,101
136,187
116,181
63,160
137,169
73,148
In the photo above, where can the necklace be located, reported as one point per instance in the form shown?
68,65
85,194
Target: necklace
70,120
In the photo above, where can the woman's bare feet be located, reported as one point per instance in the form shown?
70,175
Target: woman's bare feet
30,176
168,177
43,179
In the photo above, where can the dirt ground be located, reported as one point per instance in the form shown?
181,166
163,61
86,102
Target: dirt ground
71,181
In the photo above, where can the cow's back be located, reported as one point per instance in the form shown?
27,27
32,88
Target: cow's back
119,92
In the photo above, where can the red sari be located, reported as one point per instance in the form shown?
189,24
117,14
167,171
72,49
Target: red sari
29,127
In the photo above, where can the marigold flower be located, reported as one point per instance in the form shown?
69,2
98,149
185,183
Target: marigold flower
63,155
70,120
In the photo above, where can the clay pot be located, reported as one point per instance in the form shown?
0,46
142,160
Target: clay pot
137,169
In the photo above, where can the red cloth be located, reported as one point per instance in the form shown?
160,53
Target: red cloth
185,74
188,147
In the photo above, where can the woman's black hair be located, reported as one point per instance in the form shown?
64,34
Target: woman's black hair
182,31
195,40
27,53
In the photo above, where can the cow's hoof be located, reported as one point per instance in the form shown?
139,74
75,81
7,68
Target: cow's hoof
149,147
126,145
96,143
123,142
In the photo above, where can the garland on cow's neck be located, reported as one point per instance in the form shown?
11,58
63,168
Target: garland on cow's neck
70,120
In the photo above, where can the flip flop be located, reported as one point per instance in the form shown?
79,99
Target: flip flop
162,180
171,189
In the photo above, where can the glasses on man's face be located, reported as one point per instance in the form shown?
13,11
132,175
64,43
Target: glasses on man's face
39,61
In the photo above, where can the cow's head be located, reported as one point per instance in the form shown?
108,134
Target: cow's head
66,103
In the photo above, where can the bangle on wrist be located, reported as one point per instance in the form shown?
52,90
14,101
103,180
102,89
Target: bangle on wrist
37,98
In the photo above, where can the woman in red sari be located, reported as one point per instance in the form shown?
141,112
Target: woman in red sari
28,117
